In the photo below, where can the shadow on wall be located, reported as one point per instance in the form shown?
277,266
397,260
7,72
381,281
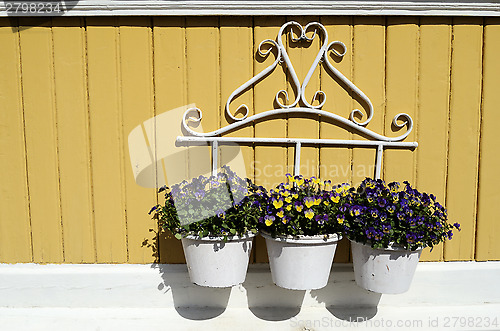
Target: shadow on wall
342,294
191,301
341,297
262,294
202,303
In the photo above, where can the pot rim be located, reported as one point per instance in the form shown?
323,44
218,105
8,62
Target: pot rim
301,239
392,247
246,236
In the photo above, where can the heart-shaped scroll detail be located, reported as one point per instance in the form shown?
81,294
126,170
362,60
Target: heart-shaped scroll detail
282,56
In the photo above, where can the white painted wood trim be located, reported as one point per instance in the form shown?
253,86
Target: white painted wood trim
138,297
265,7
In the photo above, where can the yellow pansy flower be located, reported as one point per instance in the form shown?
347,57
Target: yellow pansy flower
340,219
278,204
268,220
309,202
299,181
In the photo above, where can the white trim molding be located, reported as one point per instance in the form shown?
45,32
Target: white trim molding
252,7
443,296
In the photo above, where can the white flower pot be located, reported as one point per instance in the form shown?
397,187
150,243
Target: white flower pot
384,270
214,263
303,263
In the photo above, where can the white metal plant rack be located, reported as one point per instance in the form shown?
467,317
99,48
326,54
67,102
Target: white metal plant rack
378,141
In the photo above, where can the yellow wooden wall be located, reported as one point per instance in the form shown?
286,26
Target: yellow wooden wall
72,89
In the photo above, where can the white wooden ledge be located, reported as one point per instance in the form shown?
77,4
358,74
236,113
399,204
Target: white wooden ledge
140,297
264,7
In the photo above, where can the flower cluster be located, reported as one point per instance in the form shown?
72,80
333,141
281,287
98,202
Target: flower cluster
375,213
381,214
216,206
302,206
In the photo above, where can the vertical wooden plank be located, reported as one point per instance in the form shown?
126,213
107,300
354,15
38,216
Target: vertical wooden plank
369,76
401,89
302,55
106,146
169,62
136,65
464,134
335,162
433,110
73,143
236,67
170,92
203,77
15,239
488,227
270,161
41,140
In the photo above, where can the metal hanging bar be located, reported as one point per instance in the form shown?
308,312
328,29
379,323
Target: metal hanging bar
300,104
215,153
296,166
378,164
304,141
